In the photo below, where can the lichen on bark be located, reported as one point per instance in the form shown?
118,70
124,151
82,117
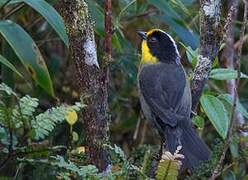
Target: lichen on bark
92,80
210,38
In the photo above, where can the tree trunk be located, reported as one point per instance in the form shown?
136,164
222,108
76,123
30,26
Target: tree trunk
92,79
210,37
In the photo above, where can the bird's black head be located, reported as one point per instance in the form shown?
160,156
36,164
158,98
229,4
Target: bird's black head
157,46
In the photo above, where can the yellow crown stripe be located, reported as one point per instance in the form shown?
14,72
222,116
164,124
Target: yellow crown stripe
152,31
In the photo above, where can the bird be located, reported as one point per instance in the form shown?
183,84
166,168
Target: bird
165,97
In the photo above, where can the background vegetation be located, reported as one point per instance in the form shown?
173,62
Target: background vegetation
41,135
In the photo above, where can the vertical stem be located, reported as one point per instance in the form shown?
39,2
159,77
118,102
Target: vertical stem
228,59
108,28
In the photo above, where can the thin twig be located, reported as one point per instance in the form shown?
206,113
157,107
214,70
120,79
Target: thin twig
13,11
42,42
237,44
17,171
136,132
218,168
108,29
36,21
226,168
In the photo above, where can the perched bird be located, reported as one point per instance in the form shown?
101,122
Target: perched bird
165,96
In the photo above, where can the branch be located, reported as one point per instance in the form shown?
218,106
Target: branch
209,45
228,59
13,11
218,167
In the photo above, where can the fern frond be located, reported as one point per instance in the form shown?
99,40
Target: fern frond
127,167
169,165
81,171
3,114
7,89
28,106
45,122
22,115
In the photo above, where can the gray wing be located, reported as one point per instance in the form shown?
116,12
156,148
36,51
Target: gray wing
163,89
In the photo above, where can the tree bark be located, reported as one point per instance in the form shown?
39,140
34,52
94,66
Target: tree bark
210,37
218,169
92,80
228,59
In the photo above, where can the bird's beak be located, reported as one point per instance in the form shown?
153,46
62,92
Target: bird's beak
142,34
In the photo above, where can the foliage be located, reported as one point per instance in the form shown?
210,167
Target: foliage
217,113
22,115
124,167
37,126
67,169
205,169
25,47
21,126
169,165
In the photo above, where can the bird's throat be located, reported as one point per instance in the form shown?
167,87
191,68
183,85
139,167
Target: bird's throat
146,56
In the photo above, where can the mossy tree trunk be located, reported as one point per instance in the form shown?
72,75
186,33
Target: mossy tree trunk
92,79
210,37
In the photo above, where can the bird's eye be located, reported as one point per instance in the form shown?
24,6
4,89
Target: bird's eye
153,40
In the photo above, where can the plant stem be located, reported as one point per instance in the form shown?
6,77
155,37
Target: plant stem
13,11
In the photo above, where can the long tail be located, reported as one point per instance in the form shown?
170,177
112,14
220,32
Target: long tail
193,148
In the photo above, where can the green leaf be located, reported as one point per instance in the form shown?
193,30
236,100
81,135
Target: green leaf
228,98
169,165
28,52
188,36
2,2
52,17
225,74
167,169
198,121
173,17
217,114
191,54
181,6
230,175
5,88
165,7
98,16
4,61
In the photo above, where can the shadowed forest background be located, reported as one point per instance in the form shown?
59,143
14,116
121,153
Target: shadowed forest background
62,117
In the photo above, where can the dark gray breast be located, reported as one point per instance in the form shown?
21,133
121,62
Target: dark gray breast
165,92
